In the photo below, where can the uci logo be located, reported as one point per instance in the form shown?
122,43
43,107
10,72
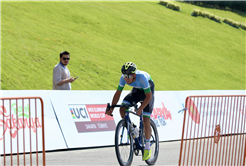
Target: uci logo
79,113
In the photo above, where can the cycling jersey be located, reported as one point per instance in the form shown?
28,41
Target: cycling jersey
141,82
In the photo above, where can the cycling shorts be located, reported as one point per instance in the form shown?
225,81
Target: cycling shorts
137,95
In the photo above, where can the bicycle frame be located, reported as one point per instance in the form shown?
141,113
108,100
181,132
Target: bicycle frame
138,141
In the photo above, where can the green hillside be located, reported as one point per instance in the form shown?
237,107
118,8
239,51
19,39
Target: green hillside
181,52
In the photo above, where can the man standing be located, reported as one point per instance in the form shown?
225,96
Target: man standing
61,74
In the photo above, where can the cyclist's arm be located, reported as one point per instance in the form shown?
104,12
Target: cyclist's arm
116,97
146,101
114,101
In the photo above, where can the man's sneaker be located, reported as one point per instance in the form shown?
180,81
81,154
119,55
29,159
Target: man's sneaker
147,154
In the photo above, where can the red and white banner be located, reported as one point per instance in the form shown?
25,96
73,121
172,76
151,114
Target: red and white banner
91,118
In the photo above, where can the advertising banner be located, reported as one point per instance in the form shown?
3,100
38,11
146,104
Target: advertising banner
166,115
81,115
91,118
76,119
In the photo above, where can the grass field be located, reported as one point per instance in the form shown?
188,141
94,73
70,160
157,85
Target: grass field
179,51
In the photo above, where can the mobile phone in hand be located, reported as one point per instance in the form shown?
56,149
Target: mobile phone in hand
76,77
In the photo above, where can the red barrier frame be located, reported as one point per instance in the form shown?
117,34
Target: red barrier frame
43,136
217,154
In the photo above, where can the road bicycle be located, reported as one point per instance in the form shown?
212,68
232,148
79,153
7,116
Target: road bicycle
129,139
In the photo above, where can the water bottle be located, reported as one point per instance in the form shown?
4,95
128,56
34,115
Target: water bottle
134,130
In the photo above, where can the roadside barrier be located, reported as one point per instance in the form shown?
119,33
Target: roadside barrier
17,114
214,131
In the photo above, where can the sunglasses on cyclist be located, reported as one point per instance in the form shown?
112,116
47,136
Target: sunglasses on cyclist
127,76
66,59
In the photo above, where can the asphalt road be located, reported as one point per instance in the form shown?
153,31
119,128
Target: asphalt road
168,155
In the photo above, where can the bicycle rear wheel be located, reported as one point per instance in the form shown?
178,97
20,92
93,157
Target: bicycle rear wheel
154,144
123,144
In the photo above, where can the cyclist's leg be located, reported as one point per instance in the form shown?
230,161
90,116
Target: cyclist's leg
147,129
129,99
146,120
147,111
122,112
147,132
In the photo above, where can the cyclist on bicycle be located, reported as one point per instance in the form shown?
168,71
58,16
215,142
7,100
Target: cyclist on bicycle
142,91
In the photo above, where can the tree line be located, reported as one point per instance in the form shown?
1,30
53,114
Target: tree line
228,5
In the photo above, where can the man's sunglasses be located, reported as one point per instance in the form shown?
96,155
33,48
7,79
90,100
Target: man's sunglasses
66,59
127,76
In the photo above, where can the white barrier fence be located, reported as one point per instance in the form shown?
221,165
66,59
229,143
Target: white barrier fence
76,119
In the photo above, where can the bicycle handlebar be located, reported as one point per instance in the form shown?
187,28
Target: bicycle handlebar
127,106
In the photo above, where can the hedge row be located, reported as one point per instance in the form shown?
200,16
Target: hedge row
197,12
234,23
171,5
243,26
163,3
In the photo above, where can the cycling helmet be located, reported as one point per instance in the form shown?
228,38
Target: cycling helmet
129,68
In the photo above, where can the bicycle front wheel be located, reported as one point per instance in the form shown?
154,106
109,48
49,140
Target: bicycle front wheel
154,144
123,144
